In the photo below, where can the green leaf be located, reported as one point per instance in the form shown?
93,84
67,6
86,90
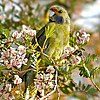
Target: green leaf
83,87
33,92
6,33
30,51
71,85
15,69
90,58
28,38
2,5
95,71
37,63
88,87
3,67
38,55
87,72
36,45
79,84
65,90
92,91
49,31
29,79
1,73
84,72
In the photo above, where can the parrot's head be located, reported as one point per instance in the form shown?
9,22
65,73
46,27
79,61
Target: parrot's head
58,15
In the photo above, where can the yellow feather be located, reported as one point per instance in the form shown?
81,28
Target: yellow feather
58,40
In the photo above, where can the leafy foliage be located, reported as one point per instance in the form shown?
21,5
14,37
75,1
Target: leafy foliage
19,57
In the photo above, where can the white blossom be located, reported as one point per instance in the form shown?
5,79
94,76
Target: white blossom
68,51
8,87
16,35
14,57
51,84
17,80
25,61
28,30
50,69
48,77
21,49
32,32
82,37
39,76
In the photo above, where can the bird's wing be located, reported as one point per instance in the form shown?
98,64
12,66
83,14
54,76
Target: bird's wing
41,36
40,32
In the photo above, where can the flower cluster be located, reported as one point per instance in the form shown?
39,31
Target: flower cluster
28,30
75,59
17,80
68,51
16,35
50,69
70,56
6,94
81,37
25,31
45,80
7,89
14,57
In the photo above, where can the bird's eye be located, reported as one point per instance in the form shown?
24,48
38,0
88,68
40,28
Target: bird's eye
60,11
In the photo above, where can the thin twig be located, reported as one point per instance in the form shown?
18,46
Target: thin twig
95,84
49,93
49,58
56,82
37,42
58,93
23,71
43,47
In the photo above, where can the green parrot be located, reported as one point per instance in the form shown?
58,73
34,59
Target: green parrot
59,22
52,38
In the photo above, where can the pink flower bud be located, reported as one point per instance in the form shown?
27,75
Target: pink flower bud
76,60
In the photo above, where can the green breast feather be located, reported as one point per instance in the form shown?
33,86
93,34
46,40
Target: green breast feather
58,40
